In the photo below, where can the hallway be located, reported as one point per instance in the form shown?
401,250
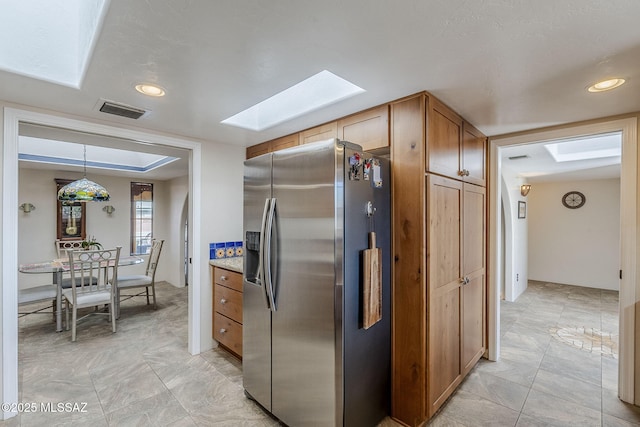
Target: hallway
551,373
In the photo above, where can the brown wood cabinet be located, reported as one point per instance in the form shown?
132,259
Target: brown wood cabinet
444,281
444,140
473,322
273,145
439,235
227,309
284,142
454,147
455,283
408,334
258,149
474,155
319,133
369,129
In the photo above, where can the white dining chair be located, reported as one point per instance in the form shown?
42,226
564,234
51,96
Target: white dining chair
146,280
84,266
62,249
62,246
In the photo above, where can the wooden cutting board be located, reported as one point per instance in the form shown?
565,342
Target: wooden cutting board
372,283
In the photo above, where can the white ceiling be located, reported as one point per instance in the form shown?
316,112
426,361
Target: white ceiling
534,163
105,155
504,65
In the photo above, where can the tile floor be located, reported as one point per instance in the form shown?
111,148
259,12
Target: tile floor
558,367
143,375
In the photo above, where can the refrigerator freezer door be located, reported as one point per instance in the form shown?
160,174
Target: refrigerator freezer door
256,363
304,335
366,352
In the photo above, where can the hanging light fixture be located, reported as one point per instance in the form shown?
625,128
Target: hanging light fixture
83,190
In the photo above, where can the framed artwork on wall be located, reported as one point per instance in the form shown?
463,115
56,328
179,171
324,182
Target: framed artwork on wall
522,209
71,216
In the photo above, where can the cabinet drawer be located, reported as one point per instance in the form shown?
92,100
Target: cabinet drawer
228,302
228,278
228,333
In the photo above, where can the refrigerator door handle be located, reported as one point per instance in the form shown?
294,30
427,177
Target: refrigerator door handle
268,255
260,279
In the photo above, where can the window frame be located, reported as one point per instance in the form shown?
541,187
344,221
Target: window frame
135,238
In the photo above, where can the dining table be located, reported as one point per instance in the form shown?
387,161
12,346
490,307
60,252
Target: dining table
57,267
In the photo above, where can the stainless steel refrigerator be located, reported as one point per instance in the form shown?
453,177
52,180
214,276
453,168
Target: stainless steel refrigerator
309,212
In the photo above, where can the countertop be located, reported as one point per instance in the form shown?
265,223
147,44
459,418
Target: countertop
233,264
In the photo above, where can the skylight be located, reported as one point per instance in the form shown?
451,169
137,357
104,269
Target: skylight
311,94
585,148
49,40
67,153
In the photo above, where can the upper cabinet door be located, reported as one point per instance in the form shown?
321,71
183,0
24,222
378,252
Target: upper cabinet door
273,145
444,140
319,133
474,149
369,129
258,149
284,142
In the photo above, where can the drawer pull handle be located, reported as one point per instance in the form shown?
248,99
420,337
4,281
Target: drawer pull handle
223,278
223,330
223,301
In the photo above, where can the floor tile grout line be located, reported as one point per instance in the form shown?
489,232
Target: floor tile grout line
524,404
564,306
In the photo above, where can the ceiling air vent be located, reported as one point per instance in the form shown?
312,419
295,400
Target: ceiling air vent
122,110
524,156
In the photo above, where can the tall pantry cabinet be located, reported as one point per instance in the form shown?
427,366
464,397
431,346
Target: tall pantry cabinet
439,215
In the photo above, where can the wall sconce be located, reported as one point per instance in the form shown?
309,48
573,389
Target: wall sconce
524,189
109,209
27,207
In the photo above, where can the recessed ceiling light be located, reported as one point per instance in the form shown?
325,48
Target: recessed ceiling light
606,85
311,94
151,90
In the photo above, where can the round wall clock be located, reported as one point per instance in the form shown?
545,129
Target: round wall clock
573,200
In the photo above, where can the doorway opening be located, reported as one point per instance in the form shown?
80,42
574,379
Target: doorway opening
559,310
12,120
628,286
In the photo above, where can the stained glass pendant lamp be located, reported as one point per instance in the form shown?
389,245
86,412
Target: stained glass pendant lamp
83,190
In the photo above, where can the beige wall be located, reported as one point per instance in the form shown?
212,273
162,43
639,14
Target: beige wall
221,208
575,246
177,191
516,236
37,230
